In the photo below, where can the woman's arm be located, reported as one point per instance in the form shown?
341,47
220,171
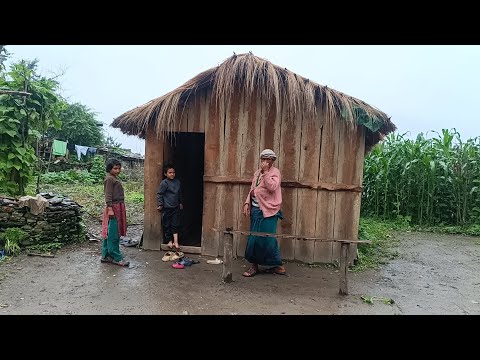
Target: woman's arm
272,180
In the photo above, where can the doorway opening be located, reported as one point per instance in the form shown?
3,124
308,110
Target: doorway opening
186,152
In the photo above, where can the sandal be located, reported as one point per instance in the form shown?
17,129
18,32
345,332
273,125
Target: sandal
121,263
107,259
250,272
168,256
280,270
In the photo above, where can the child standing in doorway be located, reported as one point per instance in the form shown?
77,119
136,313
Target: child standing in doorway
169,198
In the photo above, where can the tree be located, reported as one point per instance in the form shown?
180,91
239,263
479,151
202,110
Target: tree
3,57
112,143
28,109
79,126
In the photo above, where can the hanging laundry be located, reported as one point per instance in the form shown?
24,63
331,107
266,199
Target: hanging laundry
92,151
59,148
81,150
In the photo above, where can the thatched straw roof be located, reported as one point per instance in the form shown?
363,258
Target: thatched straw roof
255,76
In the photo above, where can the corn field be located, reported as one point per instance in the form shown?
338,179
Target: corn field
432,181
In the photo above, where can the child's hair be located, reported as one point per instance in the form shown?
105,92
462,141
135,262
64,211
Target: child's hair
167,167
111,163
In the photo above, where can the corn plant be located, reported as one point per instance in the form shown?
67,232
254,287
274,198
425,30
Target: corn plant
433,181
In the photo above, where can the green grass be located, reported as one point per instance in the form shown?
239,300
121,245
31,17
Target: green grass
383,246
471,230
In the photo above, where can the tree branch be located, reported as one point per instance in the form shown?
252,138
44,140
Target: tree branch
24,93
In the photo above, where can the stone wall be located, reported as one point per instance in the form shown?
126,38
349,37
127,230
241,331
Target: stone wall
60,222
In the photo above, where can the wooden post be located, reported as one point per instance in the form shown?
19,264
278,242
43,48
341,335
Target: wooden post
152,233
227,257
344,268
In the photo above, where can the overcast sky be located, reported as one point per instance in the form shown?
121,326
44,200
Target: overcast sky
422,88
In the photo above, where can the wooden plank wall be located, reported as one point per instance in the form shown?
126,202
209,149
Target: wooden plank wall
213,124
309,151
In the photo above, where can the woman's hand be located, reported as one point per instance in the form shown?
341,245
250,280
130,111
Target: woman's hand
246,209
110,212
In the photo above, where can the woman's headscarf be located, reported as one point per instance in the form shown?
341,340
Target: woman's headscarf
267,153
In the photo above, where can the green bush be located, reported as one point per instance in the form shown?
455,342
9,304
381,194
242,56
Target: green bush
10,240
97,171
68,177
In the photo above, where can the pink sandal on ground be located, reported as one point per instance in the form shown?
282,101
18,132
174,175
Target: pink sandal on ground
250,272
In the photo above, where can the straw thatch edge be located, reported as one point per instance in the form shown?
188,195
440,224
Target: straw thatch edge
254,76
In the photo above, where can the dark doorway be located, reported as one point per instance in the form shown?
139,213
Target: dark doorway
186,152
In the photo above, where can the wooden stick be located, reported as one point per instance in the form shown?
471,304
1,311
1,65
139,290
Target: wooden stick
41,255
293,184
344,269
227,256
285,236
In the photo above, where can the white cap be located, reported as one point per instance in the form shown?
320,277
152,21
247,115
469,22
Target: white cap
267,153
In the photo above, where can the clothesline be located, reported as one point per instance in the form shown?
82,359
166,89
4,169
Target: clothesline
59,148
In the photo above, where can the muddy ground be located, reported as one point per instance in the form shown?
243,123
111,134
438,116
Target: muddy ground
434,274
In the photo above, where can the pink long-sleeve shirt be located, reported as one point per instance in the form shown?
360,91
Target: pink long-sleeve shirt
268,192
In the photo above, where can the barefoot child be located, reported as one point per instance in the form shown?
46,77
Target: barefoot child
169,198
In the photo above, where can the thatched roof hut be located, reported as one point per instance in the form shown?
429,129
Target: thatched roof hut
239,107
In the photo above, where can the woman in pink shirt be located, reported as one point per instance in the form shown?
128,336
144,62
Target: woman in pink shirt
263,206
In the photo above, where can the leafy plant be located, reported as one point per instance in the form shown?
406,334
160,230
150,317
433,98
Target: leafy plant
68,177
97,171
432,181
135,197
371,299
45,247
11,239
383,244
26,113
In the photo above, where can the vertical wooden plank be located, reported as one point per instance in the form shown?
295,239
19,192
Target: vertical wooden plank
249,142
269,129
227,257
350,171
228,198
152,234
289,163
358,180
213,123
270,134
344,269
310,148
326,199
